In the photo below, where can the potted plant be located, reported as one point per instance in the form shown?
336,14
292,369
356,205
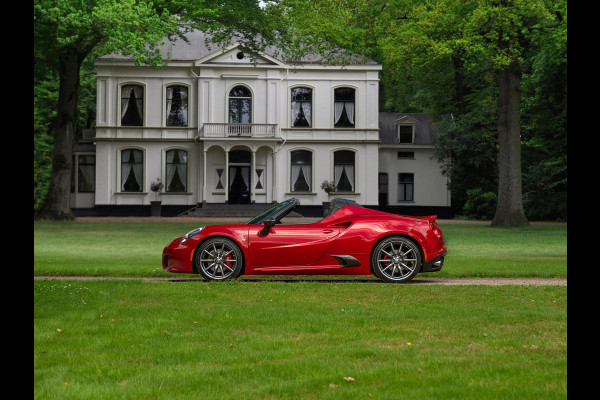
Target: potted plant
329,187
156,186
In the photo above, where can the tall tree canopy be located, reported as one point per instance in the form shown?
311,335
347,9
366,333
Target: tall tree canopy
68,31
498,67
445,55
65,33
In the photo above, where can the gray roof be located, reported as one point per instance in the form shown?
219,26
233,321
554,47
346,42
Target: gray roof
425,128
198,47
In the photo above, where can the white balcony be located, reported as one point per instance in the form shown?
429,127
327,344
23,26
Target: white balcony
213,130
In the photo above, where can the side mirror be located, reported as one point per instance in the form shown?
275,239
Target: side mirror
269,223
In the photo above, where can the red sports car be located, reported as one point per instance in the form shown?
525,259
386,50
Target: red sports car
349,240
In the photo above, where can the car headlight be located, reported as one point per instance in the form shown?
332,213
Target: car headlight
191,233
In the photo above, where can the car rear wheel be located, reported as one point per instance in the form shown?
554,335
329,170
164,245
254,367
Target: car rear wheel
396,259
218,259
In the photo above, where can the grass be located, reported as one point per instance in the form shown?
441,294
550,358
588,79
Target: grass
479,250
276,340
134,249
137,339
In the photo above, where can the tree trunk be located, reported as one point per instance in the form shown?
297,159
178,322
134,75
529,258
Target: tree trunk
57,205
509,211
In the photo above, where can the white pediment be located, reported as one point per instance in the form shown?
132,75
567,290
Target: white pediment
406,120
234,55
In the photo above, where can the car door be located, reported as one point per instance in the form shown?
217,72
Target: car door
290,245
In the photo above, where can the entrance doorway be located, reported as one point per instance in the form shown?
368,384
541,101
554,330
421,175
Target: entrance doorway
239,177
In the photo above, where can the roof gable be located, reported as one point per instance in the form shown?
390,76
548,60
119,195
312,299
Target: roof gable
234,55
406,120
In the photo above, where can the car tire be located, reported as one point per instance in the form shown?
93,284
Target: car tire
219,259
404,258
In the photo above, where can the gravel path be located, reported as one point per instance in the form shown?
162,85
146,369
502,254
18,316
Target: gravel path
365,279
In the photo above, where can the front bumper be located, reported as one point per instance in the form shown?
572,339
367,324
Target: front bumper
177,257
435,264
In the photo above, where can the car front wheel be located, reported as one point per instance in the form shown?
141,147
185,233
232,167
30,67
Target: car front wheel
396,259
218,259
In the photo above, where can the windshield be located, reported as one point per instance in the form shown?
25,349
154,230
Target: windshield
278,211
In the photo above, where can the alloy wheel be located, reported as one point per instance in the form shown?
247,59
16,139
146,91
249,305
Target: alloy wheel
219,259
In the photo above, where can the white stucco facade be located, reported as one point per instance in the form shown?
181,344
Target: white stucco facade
239,143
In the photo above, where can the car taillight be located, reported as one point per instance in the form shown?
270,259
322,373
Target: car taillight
432,224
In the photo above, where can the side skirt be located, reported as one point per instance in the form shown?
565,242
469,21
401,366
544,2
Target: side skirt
346,260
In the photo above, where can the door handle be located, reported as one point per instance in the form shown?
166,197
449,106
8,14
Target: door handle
327,230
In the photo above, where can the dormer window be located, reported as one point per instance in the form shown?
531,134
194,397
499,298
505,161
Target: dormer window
406,129
406,133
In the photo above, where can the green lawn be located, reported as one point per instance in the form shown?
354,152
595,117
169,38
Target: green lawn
134,249
136,339
276,340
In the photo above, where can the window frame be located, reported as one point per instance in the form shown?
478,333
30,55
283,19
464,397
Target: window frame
405,184
230,97
311,102
75,179
309,179
187,170
166,102
120,170
412,136
354,172
143,103
406,155
337,124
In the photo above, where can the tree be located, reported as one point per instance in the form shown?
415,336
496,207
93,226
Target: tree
66,32
435,46
499,32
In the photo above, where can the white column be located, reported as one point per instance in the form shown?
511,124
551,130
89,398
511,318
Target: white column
274,178
226,175
251,177
204,178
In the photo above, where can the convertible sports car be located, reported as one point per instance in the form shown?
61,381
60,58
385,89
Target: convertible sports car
349,240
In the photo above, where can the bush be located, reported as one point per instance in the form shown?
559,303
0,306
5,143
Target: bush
480,204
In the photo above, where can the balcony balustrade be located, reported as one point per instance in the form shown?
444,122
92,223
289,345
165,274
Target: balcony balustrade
220,130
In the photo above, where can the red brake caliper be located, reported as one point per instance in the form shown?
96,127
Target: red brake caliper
386,257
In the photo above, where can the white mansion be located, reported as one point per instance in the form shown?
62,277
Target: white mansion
218,126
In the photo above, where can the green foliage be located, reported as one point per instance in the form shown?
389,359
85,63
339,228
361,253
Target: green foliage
480,205
45,96
129,27
500,31
466,149
42,163
440,57
545,197
544,121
